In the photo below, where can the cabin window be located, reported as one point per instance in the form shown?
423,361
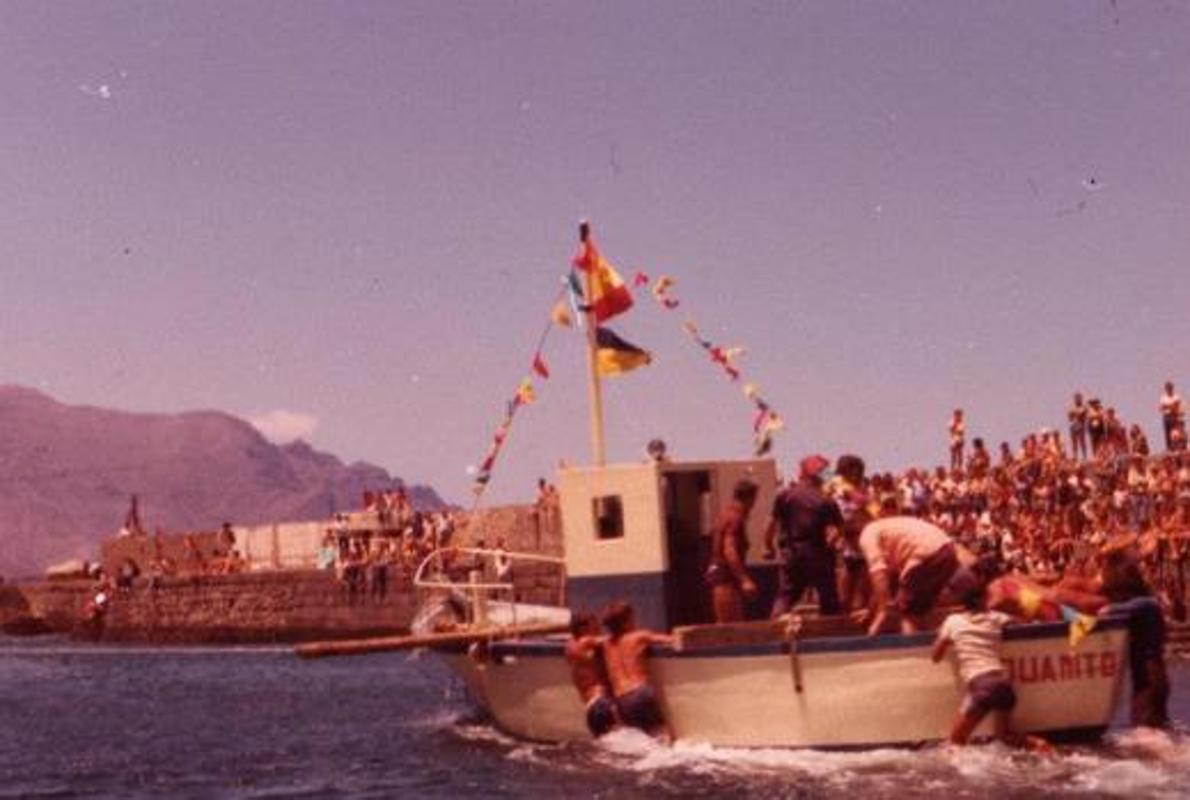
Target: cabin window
609,517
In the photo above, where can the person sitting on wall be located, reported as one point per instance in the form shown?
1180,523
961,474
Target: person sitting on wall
227,537
235,563
328,551
727,573
128,572
195,562
626,651
588,672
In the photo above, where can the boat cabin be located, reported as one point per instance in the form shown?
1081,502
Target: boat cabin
642,533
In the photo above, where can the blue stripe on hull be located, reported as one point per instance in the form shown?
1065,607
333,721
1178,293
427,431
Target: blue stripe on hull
647,592
644,590
828,644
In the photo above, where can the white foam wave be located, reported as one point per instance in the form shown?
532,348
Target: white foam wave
1126,778
441,719
1136,764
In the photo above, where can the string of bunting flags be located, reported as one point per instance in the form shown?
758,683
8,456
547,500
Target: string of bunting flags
766,422
526,394
614,355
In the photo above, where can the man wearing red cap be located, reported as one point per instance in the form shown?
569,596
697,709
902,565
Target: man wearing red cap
803,514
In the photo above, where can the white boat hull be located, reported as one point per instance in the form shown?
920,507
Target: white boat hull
854,692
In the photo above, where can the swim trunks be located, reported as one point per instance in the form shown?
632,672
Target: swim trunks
601,715
989,691
639,709
921,585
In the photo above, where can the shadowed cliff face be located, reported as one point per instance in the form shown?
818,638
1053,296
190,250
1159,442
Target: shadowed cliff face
66,473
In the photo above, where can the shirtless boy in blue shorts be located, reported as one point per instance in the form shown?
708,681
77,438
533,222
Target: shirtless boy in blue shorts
626,651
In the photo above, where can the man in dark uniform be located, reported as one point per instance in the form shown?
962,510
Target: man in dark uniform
803,514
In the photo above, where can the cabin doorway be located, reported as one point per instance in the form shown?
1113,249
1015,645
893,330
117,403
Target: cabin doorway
688,541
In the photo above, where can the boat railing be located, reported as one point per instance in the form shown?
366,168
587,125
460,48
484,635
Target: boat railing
482,594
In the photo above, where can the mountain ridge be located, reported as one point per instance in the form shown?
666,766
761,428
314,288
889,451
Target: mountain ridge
67,471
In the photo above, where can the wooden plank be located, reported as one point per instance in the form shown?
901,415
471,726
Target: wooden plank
386,644
693,637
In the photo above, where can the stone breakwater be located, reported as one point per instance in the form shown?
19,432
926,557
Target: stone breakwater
263,605
248,608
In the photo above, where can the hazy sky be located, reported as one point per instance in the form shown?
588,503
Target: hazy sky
358,213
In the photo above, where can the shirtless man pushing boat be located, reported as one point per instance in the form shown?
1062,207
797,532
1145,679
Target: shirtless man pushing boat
626,651
589,673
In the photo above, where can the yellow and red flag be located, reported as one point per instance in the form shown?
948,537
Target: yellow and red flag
609,295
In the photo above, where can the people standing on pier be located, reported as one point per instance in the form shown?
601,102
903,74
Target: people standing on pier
1173,416
727,573
958,437
1077,416
378,572
916,557
626,652
328,551
1096,427
588,672
980,461
976,633
1116,436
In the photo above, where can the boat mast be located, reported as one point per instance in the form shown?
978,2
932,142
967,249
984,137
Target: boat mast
594,390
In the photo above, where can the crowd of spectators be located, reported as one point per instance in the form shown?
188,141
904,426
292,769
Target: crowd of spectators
384,543
1043,509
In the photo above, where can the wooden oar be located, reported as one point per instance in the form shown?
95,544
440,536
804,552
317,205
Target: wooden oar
384,644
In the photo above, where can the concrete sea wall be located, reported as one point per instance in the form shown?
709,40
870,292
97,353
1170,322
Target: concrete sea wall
281,598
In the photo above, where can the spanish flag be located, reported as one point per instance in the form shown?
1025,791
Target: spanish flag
614,356
609,295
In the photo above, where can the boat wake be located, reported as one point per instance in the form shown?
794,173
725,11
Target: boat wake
1133,764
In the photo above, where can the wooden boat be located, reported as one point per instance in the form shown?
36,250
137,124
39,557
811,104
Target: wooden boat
640,533
637,532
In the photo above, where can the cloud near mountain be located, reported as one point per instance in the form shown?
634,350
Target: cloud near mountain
283,426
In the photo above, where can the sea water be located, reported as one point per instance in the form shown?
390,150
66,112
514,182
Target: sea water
95,721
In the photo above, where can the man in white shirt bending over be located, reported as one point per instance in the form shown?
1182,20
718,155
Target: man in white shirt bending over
915,557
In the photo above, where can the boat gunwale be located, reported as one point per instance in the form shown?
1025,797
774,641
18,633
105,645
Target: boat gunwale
1028,631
